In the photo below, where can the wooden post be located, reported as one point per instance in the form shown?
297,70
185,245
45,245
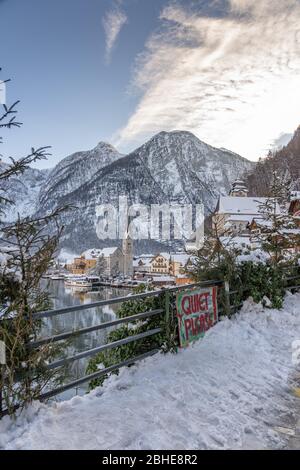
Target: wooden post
227,298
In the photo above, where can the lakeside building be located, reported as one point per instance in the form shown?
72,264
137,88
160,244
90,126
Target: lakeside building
111,261
172,264
142,264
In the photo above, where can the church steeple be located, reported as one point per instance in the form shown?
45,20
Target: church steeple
238,189
127,249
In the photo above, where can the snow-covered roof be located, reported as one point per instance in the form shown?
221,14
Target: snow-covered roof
262,222
146,255
237,189
181,258
91,254
96,252
235,242
164,254
163,279
290,231
145,261
241,205
109,251
238,181
240,218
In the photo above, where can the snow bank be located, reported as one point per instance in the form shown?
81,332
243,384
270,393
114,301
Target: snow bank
230,390
256,256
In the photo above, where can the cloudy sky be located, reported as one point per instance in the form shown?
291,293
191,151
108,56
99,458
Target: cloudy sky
122,70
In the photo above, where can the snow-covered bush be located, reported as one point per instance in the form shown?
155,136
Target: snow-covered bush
249,274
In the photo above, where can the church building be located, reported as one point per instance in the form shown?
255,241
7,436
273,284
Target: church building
109,261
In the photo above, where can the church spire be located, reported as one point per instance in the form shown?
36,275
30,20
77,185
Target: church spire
238,189
127,249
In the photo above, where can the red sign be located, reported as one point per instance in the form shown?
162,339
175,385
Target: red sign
197,311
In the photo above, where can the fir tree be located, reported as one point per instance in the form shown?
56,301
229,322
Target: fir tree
277,230
100,268
27,248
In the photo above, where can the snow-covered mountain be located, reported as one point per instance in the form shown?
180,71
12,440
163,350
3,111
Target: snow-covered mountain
171,167
24,190
74,171
187,169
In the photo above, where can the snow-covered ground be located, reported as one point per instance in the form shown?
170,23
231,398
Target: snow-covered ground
230,390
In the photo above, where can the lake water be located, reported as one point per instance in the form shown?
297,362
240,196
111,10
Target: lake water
66,297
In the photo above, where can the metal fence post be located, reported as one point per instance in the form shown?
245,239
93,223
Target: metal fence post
167,312
2,375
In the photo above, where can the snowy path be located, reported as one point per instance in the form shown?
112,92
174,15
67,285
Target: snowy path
229,391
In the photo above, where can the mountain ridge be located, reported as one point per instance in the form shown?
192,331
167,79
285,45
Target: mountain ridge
172,167
285,161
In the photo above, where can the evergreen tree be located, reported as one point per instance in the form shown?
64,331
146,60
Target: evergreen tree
27,248
100,268
277,230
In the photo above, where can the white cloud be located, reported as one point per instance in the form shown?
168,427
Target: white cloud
232,80
113,22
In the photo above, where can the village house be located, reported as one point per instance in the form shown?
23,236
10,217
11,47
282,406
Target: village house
294,206
294,210
290,231
160,263
173,264
142,264
183,279
81,264
235,212
112,261
179,262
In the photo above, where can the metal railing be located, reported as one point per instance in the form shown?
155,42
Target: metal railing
102,326
166,310
230,307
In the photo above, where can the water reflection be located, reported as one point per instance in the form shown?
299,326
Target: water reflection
66,297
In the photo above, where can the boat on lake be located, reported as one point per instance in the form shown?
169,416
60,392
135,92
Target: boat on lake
81,282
